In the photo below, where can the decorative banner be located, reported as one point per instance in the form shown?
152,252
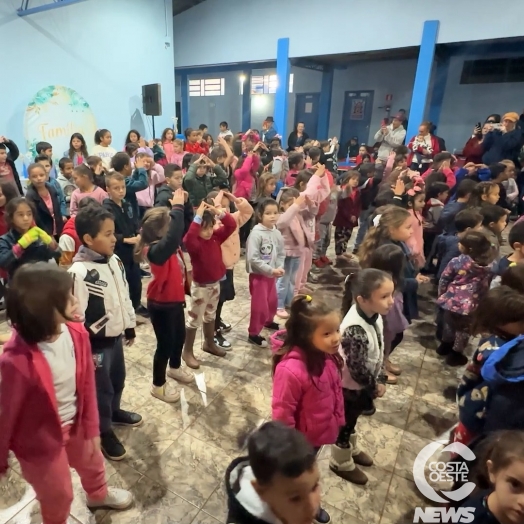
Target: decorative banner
53,115
358,106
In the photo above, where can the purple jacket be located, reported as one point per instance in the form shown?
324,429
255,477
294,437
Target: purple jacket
313,405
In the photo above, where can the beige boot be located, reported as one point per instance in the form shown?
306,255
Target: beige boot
360,458
342,464
209,341
187,353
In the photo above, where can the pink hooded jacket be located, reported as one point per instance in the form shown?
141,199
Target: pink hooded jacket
313,405
246,176
293,228
416,241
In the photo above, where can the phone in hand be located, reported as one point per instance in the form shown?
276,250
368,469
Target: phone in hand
385,122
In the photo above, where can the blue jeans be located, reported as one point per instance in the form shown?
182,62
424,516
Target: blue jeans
286,284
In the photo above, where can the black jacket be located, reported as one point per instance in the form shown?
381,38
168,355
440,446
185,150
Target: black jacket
35,252
126,226
164,194
43,217
12,155
293,138
481,513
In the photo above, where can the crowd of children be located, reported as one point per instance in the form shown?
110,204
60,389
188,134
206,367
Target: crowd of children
188,211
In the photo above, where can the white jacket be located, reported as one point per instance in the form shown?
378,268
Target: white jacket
393,138
101,288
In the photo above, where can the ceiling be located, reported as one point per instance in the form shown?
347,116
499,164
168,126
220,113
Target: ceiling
179,6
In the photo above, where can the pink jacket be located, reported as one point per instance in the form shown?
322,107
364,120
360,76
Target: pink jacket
146,197
231,246
294,230
246,176
313,405
317,190
416,242
169,151
30,426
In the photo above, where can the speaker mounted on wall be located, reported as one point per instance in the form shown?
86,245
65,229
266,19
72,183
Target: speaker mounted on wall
152,100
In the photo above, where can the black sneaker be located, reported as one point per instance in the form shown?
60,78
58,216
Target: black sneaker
369,412
112,448
272,325
311,278
456,359
127,418
142,311
225,327
221,341
258,341
144,273
322,517
444,349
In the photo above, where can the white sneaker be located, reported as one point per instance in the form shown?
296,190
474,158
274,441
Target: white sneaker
116,499
282,313
162,393
180,375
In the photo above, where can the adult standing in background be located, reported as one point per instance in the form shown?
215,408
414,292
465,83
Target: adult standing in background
269,130
297,137
390,136
8,154
402,114
422,148
503,142
474,148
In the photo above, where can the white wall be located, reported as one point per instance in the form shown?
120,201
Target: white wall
336,29
105,50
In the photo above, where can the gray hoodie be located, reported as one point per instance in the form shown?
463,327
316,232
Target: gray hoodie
265,251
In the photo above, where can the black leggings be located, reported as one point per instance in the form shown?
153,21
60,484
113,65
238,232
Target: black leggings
218,316
396,341
355,403
134,281
170,331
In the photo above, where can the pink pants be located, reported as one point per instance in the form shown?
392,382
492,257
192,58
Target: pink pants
263,292
51,480
306,259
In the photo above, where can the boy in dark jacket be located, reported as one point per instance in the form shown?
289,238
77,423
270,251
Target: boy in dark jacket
280,461
198,182
126,231
446,220
8,170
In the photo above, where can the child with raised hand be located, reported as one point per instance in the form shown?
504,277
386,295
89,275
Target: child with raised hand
135,179
24,242
99,172
245,176
47,395
84,176
223,200
198,181
159,244
462,286
363,375
265,257
100,286
46,201
307,386
278,480
204,246
103,147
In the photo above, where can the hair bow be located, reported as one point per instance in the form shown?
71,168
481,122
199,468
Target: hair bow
308,298
376,220
418,186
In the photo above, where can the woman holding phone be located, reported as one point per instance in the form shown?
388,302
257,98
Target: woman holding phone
474,148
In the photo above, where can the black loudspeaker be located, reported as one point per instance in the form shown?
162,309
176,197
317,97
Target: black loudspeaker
152,100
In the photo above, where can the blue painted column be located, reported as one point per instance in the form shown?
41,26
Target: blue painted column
439,90
184,102
281,96
246,101
324,106
422,77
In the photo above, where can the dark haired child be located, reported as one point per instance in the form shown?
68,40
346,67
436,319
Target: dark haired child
198,181
9,153
193,142
168,145
47,164
127,227
155,177
307,386
484,193
495,219
490,392
279,461
8,192
47,395
363,374
462,286
45,149
84,181
100,286
436,197
203,244
24,242
160,243
99,172
45,200
65,179
265,257
516,242
441,170
103,147
453,207
296,164
135,179
77,151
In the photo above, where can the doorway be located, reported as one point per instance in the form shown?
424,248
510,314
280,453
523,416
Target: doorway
306,111
356,118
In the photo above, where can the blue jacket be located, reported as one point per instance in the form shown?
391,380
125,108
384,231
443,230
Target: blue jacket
447,250
502,146
446,221
138,181
491,390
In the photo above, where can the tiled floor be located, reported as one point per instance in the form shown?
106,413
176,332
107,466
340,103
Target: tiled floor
176,461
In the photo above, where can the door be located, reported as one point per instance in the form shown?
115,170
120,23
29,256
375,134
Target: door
306,111
356,118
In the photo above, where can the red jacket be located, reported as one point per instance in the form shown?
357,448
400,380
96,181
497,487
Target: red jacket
435,148
195,148
206,255
70,230
30,426
348,210
473,150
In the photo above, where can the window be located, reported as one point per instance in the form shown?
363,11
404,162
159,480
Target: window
493,71
207,87
267,84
